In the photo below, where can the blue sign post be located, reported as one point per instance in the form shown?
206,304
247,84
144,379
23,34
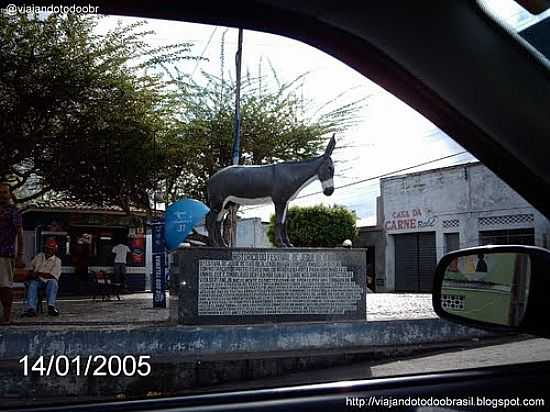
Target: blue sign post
158,285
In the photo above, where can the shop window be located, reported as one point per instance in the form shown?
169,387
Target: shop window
452,242
507,237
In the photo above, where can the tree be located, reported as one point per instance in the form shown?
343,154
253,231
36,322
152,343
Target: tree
81,110
318,226
277,124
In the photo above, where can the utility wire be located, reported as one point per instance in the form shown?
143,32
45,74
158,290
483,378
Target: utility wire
373,178
390,173
203,51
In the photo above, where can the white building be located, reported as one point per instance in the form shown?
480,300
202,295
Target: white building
430,213
250,232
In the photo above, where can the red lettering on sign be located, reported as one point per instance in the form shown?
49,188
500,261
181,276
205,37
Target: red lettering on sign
401,224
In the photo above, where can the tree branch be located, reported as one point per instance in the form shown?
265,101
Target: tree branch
33,196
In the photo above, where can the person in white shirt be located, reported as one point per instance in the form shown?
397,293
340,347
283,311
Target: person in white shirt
45,273
121,252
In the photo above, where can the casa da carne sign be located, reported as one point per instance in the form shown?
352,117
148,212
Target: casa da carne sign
409,220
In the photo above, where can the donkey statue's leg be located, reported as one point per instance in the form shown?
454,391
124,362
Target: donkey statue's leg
285,235
219,227
214,220
280,215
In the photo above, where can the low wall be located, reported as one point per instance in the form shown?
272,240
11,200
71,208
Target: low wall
234,340
187,359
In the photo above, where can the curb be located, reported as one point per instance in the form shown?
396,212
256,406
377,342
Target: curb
233,340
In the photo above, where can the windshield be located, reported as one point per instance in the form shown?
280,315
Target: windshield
533,28
187,208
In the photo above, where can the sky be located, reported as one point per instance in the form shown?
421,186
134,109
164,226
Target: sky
389,137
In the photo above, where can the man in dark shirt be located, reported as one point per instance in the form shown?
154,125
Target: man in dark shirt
10,230
481,264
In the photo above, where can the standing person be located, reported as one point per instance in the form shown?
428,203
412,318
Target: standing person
121,252
370,277
46,270
81,262
481,264
11,232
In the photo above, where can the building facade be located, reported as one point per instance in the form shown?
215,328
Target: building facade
372,238
251,232
430,213
103,227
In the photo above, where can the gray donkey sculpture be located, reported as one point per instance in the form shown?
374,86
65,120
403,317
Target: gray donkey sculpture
252,185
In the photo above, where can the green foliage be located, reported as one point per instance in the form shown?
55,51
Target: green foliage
103,117
317,226
80,110
277,124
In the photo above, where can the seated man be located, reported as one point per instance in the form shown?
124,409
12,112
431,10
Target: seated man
45,272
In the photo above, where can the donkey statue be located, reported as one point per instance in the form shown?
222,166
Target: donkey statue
251,185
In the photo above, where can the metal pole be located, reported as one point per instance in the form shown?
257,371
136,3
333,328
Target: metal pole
237,128
155,183
236,152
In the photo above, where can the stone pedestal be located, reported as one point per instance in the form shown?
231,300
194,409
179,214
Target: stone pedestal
245,285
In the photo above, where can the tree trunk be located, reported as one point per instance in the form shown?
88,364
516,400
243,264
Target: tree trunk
230,227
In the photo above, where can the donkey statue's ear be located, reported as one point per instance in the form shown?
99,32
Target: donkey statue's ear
330,146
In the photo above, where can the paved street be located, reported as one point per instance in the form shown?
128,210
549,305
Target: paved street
522,351
391,306
137,308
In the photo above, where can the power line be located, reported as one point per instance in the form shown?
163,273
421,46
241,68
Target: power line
374,177
395,171
204,51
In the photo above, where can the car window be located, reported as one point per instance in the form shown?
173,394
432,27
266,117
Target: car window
113,128
530,27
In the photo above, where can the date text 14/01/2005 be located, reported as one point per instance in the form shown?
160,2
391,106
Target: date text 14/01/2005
92,365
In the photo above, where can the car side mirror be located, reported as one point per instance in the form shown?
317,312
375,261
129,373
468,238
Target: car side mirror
500,288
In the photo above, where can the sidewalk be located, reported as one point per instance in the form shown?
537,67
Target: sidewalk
137,308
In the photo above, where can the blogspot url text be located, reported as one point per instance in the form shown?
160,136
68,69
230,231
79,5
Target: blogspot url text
471,401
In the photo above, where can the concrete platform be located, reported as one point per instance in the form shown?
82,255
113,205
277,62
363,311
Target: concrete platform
133,326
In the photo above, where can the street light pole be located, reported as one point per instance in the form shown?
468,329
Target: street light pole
155,183
236,151
237,128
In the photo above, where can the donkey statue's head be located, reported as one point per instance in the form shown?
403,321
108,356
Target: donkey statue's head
326,170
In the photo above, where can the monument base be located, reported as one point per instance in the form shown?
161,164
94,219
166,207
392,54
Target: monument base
248,285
